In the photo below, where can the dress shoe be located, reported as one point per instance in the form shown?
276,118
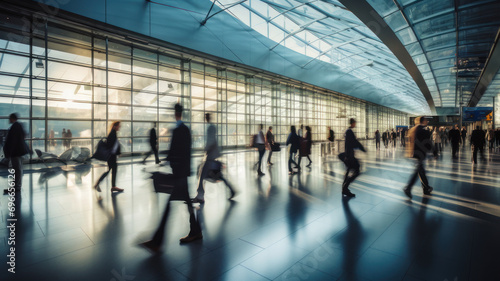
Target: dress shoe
198,200
408,193
158,162
309,165
150,246
427,191
191,238
97,188
261,173
269,163
117,189
348,193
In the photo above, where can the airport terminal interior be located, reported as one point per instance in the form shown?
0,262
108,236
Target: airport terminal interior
325,140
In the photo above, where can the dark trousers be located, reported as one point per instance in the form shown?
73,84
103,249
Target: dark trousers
386,142
112,166
419,172
262,151
437,148
492,144
300,158
290,161
17,165
475,150
377,144
269,157
180,192
463,141
394,142
454,148
154,151
498,141
352,165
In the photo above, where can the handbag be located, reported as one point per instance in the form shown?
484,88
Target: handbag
102,151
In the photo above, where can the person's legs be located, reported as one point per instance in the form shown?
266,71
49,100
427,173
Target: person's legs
261,154
290,161
160,231
195,228
346,178
310,162
157,158
147,155
474,154
17,165
269,157
423,177
411,182
228,186
103,176
200,195
113,167
300,159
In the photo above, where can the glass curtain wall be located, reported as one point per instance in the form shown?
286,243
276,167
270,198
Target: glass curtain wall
65,79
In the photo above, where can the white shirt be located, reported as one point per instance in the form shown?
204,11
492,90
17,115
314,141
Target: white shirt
260,138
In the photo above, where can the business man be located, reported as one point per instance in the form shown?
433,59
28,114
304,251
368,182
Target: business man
153,142
14,150
455,139
260,142
179,157
269,144
350,161
420,145
478,140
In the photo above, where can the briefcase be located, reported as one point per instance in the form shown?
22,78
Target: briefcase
275,147
163,182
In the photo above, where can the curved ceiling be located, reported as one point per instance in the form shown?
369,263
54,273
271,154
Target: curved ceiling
327,31
449,40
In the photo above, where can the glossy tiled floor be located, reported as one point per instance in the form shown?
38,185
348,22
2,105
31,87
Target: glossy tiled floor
277,228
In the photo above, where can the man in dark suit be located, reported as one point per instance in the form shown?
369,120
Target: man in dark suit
350,161
269,144
261,147
394,137
179,157
478,140
454,136
463,134
14,149
153,142
331,135
420,145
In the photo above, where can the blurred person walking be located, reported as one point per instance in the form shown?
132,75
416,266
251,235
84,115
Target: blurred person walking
179,157
349,158
306,149
153,142
420,145
294,141
212,153
14,149
454,136
478,141
113,145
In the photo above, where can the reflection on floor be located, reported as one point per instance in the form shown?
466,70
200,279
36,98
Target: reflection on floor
277,228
